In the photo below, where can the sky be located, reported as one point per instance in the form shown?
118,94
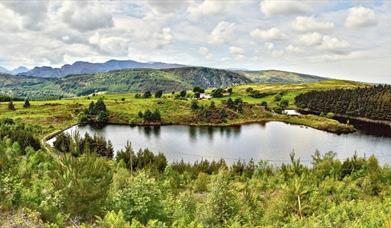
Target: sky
340,39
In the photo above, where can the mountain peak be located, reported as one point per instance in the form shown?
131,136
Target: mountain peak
82,67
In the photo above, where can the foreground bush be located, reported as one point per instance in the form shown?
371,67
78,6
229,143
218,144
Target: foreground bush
141,189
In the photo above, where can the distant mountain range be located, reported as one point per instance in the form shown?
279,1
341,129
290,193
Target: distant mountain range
15,71
90,68
141,80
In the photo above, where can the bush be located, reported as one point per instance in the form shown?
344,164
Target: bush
201,183
183,93
264,104
97,112
84,183
158,94
217,92
102,117
26,103
277,97
278,109
194,105
249,89
197,89
112,220
11,106
284,104
147,94
149,116
142,200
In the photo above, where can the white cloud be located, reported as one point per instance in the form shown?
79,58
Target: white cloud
293,49
222,33
277,53
269,45
58,32
311,24
334,45
326,43
310,39
345,56
205,52
237,52
270,34
360,17
206,7
32,12
164,7
288,7
109,44
162,38
86,16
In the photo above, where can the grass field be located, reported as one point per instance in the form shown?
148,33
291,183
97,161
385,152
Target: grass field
55,115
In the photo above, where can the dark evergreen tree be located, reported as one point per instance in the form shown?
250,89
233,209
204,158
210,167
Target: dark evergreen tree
158,94
194,105
26,103
147,94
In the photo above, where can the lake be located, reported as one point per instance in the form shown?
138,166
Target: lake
272,141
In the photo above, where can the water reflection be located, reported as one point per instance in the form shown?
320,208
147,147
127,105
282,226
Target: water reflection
223,132
271,141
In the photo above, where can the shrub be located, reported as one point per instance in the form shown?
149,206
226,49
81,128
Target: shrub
84,183
194,105
11,106
201,183
147,94
217,92
26,103
183,93
142,200
197,89
158,94
277,97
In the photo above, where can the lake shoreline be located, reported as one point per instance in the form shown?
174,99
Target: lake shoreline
272,141
371,126
282,118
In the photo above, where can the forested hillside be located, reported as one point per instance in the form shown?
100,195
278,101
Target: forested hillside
370,102
132,80
141,80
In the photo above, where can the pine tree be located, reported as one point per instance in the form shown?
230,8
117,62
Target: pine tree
26,103
11,106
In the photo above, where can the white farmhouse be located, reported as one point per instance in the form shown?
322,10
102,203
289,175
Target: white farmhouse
205,96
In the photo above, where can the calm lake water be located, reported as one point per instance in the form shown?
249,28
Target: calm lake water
272,141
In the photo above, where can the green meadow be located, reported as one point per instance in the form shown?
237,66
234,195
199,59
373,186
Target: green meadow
55,115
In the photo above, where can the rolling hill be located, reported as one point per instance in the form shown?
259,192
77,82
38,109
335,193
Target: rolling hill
276,76
131,80
141,80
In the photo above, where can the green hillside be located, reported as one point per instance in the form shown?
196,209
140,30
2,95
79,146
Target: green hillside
132,80
141,80
276,76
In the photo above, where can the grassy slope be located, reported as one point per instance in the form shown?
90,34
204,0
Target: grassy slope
276,76
122,81
58,114
139,80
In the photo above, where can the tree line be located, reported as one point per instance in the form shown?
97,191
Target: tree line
372,102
